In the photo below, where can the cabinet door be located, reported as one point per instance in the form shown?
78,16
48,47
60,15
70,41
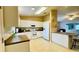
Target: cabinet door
1,31
46,30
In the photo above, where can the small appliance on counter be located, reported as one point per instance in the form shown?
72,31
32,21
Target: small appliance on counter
61,30
18,30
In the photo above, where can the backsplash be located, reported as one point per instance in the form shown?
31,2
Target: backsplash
27,29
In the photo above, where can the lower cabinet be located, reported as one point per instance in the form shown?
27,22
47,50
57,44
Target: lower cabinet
30,36
19,47
61,39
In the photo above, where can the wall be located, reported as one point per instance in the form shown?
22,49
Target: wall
32,18
1,22
63,21
53,19
2,48
63,25
27,22
10,16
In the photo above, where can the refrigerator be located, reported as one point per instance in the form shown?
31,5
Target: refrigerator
46,30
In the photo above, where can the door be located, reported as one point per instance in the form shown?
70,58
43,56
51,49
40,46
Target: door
1,31
46,30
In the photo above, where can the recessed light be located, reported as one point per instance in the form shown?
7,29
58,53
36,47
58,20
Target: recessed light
33,8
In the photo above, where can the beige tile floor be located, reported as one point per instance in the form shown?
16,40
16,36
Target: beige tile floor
41,45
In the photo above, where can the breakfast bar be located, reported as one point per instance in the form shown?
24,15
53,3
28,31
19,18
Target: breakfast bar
63,39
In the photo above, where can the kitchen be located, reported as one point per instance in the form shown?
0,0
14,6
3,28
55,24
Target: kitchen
22,24
19,29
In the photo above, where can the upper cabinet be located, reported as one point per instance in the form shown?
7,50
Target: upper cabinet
10,17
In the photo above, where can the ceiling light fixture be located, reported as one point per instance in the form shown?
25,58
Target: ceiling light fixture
41,10
33,8
69,17
72,16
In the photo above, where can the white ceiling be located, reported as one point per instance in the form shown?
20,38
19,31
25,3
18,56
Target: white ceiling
27,10
64,11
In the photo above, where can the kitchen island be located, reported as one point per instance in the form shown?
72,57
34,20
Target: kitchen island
17,43
63,39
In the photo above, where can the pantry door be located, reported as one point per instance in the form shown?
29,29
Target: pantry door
2,49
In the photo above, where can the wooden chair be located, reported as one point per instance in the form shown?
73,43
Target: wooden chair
75,42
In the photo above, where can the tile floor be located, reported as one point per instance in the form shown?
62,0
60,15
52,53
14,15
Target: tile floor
41,45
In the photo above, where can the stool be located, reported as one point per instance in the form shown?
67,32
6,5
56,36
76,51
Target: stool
74,43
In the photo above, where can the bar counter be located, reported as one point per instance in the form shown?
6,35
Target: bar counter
63,38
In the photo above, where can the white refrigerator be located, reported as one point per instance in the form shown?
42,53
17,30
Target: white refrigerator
46,30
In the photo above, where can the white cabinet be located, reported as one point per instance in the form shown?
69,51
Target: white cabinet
19,47
61,39
46,30
28,23
30,36
39,34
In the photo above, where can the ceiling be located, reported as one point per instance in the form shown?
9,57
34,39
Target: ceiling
62,10
28,10
65,11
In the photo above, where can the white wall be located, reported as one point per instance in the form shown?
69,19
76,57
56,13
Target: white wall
28,23
63,21
64,26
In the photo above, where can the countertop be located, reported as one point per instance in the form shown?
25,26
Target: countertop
66,33
27,29
16,39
